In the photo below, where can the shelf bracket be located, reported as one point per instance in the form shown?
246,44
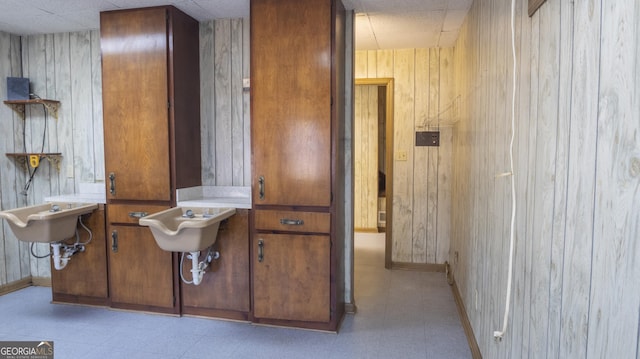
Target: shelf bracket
52,107
23,159
18,106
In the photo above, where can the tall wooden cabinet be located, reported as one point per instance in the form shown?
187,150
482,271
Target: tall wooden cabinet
151,104
297,70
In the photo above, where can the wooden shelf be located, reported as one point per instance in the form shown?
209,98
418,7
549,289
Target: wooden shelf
19,105
23,158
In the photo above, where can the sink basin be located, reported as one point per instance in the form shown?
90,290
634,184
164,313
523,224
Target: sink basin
175,231
46,223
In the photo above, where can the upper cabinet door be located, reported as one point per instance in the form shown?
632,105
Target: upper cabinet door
291,72
135,104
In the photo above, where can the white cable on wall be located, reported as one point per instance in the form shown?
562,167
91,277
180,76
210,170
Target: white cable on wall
499,334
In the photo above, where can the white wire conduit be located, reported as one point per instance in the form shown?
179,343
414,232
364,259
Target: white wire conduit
499,334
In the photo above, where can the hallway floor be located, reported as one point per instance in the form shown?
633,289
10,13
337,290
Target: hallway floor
401,314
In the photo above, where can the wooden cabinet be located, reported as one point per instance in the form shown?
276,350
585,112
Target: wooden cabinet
151,104
150,95
297,69
225,289
291,75
292,277
141,275
84,279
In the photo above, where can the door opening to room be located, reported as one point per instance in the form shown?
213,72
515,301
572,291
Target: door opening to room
373,159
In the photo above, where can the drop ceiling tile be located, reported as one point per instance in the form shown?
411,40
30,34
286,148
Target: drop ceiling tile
224,8
365,39
398,24
60,7
408,41
362,23
454,19
89,19
391,22
401,6
130,4
12,9
48,24
459,4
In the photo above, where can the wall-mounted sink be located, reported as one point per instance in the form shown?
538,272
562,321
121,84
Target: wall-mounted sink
186,230
46,223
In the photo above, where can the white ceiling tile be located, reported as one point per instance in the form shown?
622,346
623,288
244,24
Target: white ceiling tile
459,4
130,4
454,19
50,24
401,6
224,8
400,24
89,19
55,7
410,40
12,9
365,39
391,24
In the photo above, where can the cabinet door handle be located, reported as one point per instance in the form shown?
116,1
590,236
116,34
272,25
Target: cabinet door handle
114,241
112,183
138,214
261,186
260,250
291,222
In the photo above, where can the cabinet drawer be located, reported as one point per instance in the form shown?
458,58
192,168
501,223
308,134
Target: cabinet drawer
293,221
128,213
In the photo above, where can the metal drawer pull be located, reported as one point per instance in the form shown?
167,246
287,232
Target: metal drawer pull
261,186
114,241
260,250
291,222
112,183
138,214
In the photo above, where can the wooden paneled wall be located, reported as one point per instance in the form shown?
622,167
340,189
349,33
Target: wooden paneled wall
365,157
64,67
423,98
577,173
224,109
14,255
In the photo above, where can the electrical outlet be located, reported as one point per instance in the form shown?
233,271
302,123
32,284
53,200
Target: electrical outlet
70,171
401,155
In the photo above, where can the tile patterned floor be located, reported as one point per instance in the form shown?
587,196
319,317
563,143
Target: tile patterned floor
401,314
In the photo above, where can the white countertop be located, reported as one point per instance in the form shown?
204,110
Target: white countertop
214,197
197,197
87,193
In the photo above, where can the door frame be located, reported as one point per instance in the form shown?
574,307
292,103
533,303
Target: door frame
388,83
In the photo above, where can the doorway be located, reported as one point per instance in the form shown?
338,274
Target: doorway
373,159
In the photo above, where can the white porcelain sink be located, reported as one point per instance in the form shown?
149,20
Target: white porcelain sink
186,230
46,223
